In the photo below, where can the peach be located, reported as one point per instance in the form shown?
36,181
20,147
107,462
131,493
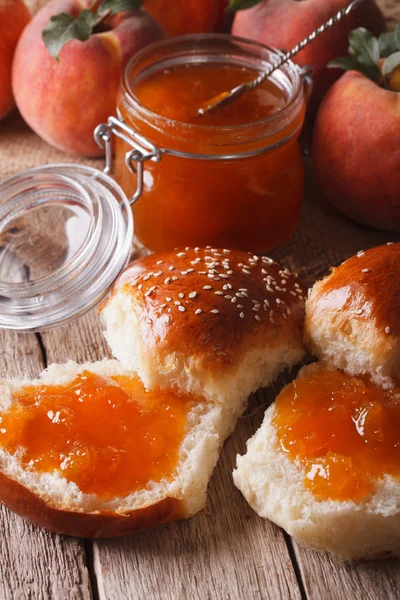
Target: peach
284,23
64,101
185,16
13,17
356,151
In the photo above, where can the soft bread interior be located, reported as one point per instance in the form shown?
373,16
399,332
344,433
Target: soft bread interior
208,425
274,487
256,368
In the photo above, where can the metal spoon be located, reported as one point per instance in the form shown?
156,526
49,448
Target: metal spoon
230,96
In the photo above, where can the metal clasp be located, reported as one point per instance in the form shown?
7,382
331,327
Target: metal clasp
142,150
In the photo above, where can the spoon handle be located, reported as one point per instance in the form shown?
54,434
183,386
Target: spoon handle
228,97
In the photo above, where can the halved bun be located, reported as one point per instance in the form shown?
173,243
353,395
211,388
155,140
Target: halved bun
49,500
217,322
353,317
273,485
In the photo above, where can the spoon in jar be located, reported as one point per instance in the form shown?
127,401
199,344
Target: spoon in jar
226,98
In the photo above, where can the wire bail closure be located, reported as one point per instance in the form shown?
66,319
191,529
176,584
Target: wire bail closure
142,150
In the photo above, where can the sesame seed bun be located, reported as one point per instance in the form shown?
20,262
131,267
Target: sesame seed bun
353,317
217,322
273,485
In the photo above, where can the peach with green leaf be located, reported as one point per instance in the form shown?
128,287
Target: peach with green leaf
68,64
284,23
356,150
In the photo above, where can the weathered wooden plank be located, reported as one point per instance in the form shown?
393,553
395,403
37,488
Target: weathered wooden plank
34,563
324,577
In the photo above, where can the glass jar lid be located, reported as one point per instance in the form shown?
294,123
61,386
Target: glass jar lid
65,235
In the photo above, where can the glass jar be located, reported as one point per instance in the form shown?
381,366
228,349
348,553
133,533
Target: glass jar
238,186
65,235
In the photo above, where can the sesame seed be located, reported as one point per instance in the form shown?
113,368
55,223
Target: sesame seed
239,305
225,287
284,316
147,277
197,311
229,286
190,270
243,289
180,254
269,289
245,294
167,280
266,302
293,293
288,311
211,275
148,320
140,286
175,278
365,271
158,274
214,311
234,299
183,272
207,287
359,311
168,299
278,301
255,308
150,290
228,297
196,249
283,282
241,315
159,262
181,308
167,318
218,293
257,318
387,330
171,268
192,295
230,272
296,285
177,303
181,295
389,243
360,253
163,305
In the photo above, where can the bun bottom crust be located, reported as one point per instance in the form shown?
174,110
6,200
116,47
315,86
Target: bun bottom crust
99,524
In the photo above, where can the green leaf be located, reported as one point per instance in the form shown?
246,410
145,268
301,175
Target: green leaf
64,28
388,43
117,6
347,63
391,64
242,4
364,46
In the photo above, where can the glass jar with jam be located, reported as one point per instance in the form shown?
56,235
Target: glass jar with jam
230,178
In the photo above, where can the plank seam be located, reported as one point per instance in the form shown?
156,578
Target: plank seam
43,350
296,567
88,546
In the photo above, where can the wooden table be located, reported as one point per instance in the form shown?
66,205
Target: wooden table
225,552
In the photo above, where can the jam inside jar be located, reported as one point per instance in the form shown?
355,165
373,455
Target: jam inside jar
230,178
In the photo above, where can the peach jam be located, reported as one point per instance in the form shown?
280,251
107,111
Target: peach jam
229,178
345,431
108,435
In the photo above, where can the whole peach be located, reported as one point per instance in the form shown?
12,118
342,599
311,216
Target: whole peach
185,16
284,23
64,101
356,151
13,17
